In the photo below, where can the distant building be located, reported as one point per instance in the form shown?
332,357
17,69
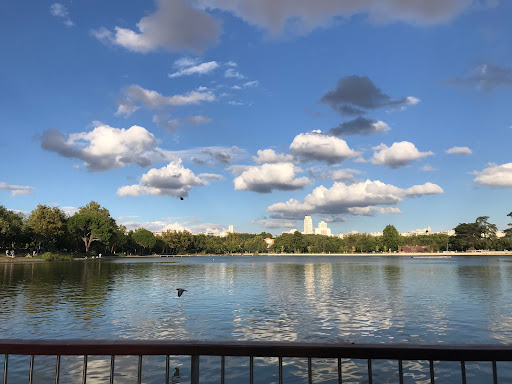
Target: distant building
269,241
292,231
322,229
308,225
231,229
418,232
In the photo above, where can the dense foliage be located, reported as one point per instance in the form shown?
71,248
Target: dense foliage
92,230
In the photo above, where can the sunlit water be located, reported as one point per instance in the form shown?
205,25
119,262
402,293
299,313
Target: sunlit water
311,299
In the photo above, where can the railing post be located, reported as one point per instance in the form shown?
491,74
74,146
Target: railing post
194,369
6,364
31,370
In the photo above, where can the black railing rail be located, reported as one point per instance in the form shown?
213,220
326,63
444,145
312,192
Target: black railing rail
251,349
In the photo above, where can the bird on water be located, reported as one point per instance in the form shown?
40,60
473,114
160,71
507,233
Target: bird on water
180,291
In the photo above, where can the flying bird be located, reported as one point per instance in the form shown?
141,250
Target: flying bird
181,197
180,291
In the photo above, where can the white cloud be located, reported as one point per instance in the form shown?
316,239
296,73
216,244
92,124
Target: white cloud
315,146
166,224
125,107
173,180
210,156
154,100
198,119
343,199
211,177
270,156
267,177
428,168
275,223
371,211
184,62
105,147
200,69
251,84
302,16
346,175
232,73
16,190
60,11
399,154
495,175
175,26
459,151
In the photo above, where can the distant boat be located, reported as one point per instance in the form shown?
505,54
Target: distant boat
431,257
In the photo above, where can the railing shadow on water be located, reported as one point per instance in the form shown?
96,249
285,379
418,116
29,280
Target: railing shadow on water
147,361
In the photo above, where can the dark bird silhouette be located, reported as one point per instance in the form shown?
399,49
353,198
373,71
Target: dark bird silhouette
180,291
181,197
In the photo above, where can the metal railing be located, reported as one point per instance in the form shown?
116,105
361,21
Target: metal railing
195,349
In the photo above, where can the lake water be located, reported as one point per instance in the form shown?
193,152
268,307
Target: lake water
305,298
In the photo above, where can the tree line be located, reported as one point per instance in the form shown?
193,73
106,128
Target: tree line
91,230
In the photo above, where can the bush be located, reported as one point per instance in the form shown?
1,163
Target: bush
49,256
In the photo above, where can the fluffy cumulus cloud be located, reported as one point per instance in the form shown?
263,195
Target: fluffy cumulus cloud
105,147
358,198
59,10
16,190
316,146
267,177
172,180
359,126
189,67
302,16
355,95
398,155
495,175
154,100
270,156
175,26
459,151
485,77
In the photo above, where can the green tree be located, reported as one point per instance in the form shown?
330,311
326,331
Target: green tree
11,227
48,225
92,223
255,245
508,231
178,242
144,238
119,239
467,236
391,238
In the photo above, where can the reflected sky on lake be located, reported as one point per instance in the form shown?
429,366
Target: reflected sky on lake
314,299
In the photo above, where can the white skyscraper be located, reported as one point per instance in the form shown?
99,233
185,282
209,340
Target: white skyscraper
231,229
322,229
308,225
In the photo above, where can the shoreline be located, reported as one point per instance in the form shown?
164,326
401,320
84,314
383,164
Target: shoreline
433,255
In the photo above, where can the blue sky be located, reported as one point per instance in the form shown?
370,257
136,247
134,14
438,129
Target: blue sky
361,114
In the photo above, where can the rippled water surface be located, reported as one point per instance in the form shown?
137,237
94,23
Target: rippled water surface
305,298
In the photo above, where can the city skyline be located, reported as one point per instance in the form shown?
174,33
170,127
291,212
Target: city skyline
203,114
